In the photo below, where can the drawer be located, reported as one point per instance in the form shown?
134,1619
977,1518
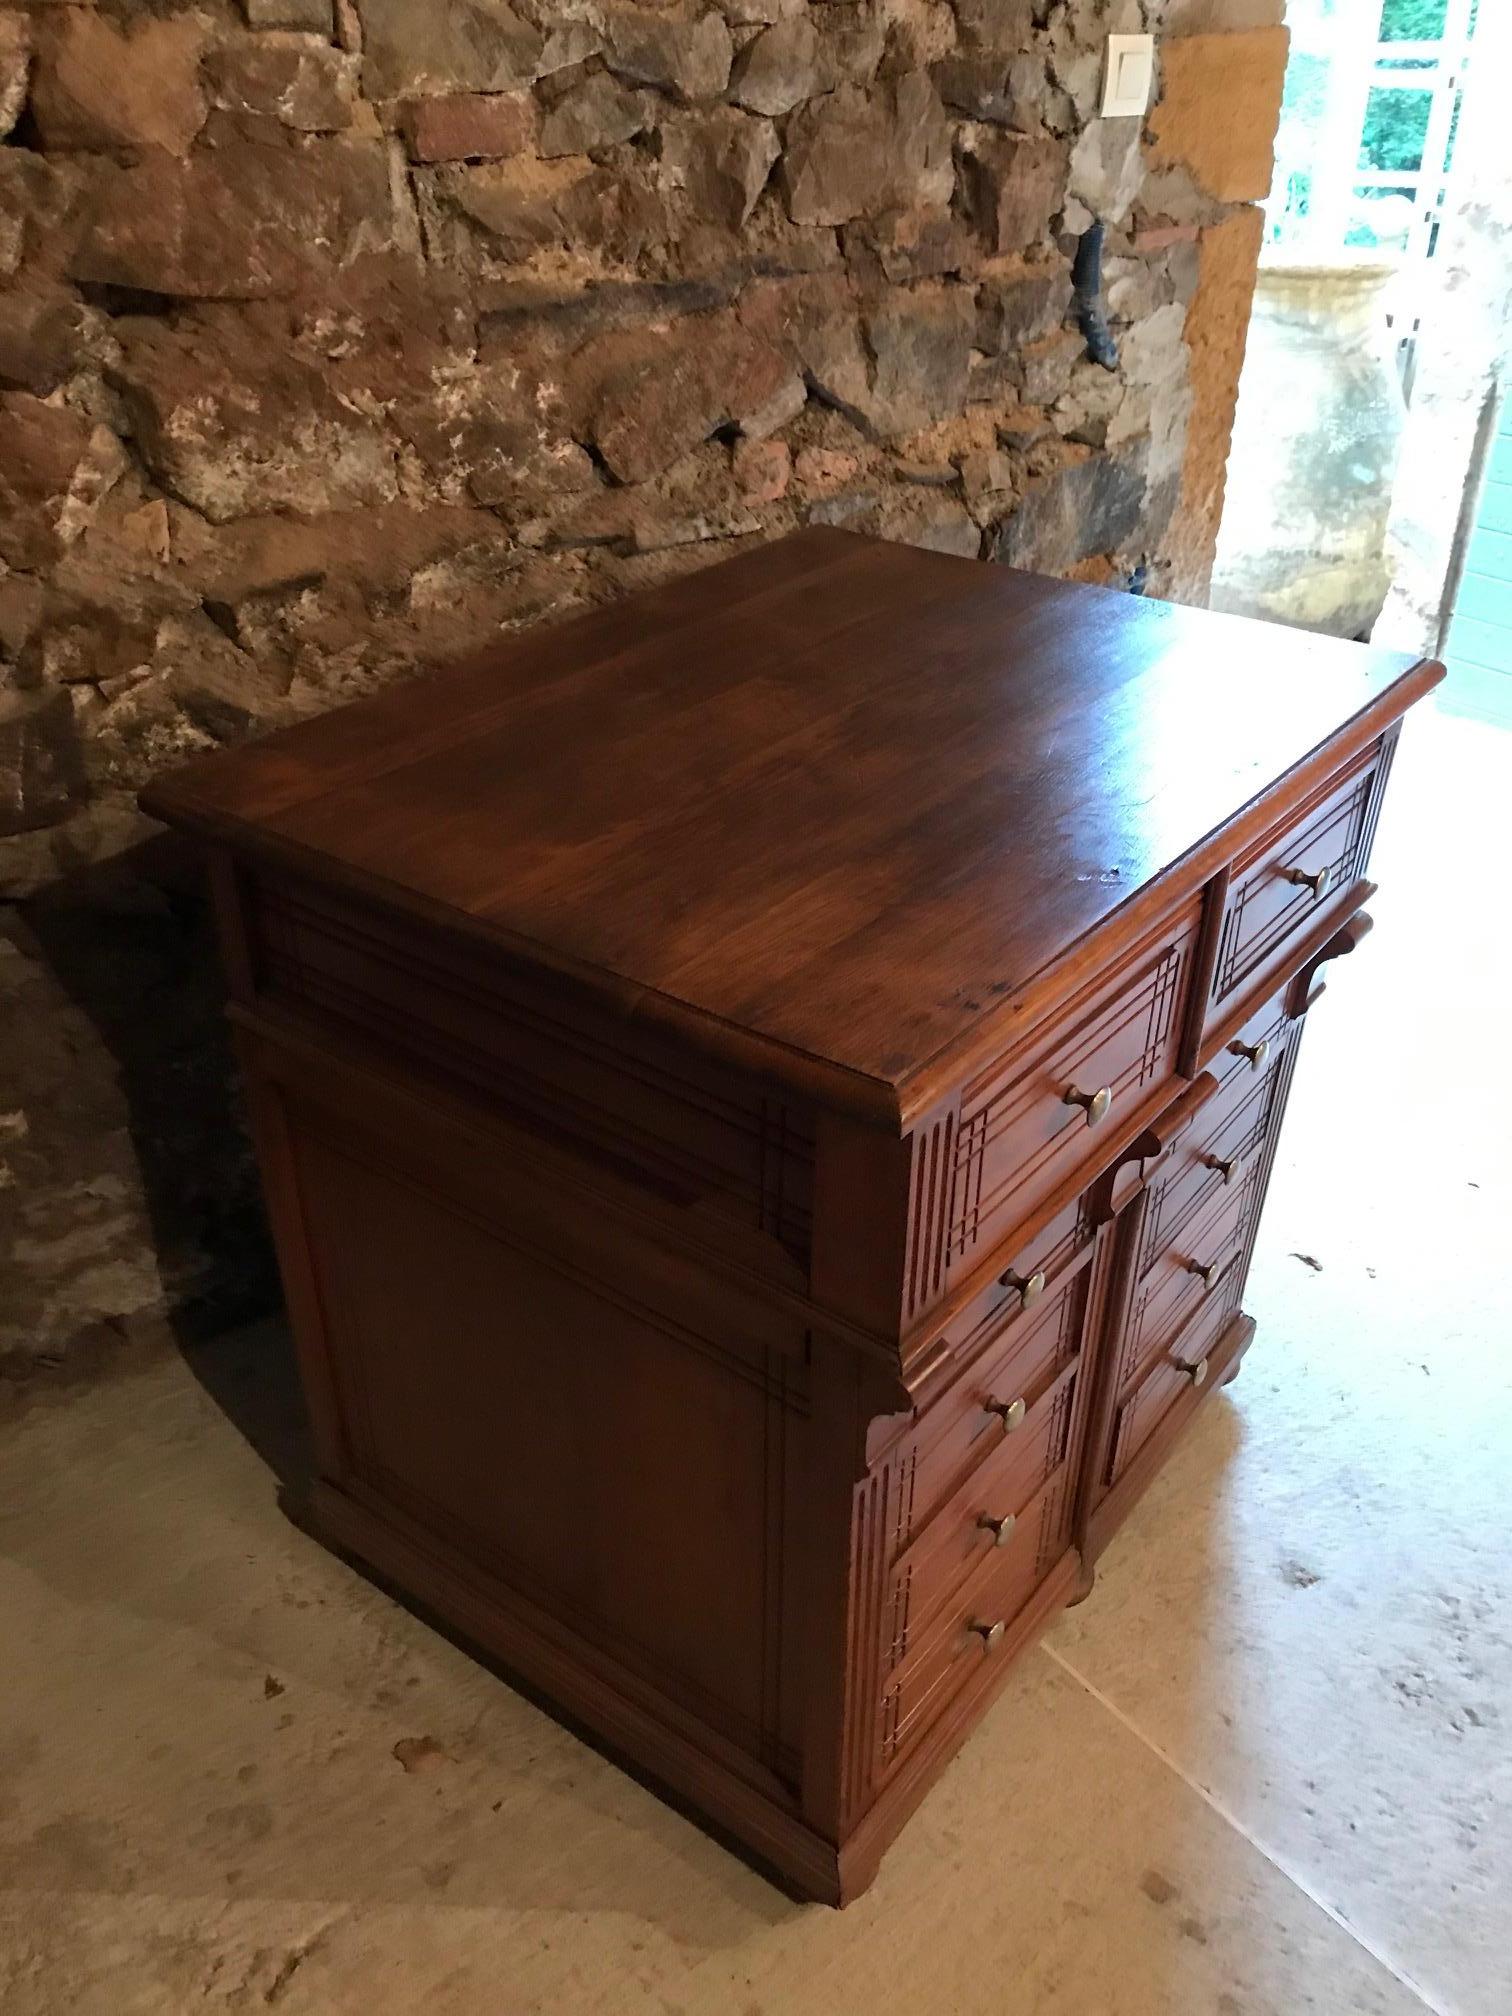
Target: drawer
981,1518
1180,1372
1228,1134
992,1401
1190,1271
1279,888
1041,1113
970,1628
1032,1272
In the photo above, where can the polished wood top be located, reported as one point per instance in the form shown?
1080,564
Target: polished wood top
845,797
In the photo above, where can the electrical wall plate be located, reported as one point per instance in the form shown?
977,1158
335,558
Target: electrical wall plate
1127,76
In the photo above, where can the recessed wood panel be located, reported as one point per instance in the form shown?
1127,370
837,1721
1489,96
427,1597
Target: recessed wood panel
625,1471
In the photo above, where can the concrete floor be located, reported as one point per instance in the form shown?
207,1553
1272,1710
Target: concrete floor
1266,1770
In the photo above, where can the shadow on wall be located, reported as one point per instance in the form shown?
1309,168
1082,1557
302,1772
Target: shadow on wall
130,1193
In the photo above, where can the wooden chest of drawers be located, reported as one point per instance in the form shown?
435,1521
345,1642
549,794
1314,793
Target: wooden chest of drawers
765,1096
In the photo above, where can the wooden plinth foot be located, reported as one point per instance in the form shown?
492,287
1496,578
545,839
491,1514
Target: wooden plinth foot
1082,1587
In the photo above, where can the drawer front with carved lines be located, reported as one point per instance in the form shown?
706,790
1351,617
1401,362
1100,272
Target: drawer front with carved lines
1180,1372
969,1628
1036,1119
1187,1273
1229,1134
991,1401
980,1518
1278,890
1023,1283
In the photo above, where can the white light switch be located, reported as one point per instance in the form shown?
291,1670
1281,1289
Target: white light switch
1126,79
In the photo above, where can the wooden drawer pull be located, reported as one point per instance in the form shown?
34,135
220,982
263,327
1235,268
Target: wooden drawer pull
1318,883
1197,1373
1257,1053
991,1635
1227,1166
1030,1289
1207,1275
1094,1104
1000,1529
1010,1412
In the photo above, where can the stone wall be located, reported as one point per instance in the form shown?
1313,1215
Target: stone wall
337,335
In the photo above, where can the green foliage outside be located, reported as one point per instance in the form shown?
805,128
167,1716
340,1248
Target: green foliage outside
1395,125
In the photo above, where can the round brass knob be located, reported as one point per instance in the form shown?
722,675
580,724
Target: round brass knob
1010,1412
1094,1104
1000,1529
1257,1053
1318,883
1197,1373
1207,1275
990,1634
1227,1167
1030,1288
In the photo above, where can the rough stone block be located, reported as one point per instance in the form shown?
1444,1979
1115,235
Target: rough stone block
514,208
1107,168
470,126
297,83
234,430
976,84
851,153
1016,183
1065,517
1220,99
1045,366
39,199
1013,309
227,694
920,344
96,87
910,244
43,337
723,159
15,68
239,223
762,470
412,47
691,58
54,468
521,204
597,112
41,770
315,17
995,24
647,397
498,438
569,44
779,69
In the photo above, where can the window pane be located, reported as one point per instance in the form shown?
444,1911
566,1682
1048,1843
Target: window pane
1381,217
1413,20
1396,125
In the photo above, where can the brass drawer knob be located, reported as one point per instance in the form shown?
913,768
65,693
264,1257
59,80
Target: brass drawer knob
1010,1412
1257,1053
1318,883
991,1635
1094,1104
1197,1373
1227,1166
1030,1288
1207,1275
1000,1529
